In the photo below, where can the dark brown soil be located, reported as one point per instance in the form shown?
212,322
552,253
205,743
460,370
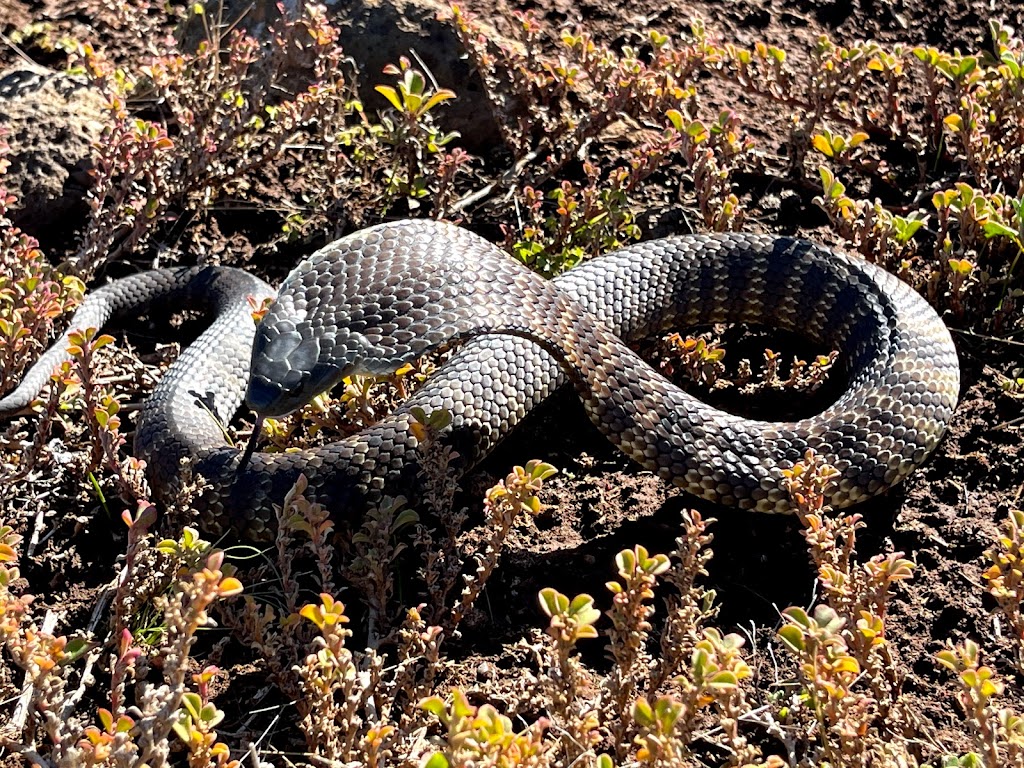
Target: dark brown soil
943,518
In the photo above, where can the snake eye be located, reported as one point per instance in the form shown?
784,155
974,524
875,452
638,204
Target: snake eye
288,351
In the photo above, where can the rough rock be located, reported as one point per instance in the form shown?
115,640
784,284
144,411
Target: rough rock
375,33
51,123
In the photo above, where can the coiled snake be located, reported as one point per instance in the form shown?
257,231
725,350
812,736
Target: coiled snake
385,295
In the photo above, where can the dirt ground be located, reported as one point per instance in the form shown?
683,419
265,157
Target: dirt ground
942,518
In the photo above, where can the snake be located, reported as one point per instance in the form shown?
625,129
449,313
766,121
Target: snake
380,297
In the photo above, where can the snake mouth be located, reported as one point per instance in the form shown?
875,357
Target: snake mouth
270,398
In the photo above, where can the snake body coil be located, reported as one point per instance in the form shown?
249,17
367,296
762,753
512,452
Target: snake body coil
386,295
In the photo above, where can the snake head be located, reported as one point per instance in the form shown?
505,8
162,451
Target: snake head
288,370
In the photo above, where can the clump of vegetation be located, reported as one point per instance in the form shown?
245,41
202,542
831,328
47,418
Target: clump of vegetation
1005,577
225,118
998,733
233,106
52,724
701,359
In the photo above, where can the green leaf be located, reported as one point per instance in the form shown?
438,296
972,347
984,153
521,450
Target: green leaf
697,131
435,705
541,470
643,715
797,615
460,704
553,602
391,95
414,82
625,562
405,517
833,187
724,679
699,662
948,659
998,229
183,727
667,711
967,65
438,98
906,228
75,649
582,607
953,122
793,638
210,715
436,760
413,102
822,144
192,704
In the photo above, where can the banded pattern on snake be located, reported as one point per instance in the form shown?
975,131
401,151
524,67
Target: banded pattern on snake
380,297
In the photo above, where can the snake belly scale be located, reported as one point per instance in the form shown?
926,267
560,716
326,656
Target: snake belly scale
383,296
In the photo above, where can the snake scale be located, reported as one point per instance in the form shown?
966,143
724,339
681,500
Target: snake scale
386,295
